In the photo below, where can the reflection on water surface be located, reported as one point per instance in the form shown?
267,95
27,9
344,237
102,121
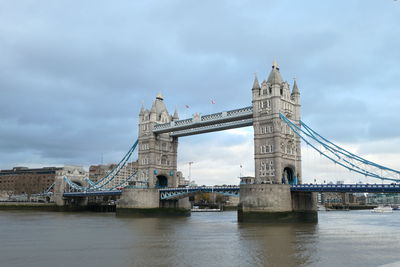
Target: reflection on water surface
354,238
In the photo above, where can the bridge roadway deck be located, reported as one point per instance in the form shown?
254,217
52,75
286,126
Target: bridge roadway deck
347,188
167,193
231,119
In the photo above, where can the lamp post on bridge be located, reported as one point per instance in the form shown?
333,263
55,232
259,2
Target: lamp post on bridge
241,174
190,170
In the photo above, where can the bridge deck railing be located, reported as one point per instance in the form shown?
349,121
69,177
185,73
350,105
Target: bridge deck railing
225,116
350,188
166,193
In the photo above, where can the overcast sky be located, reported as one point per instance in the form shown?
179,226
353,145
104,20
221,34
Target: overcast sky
73,75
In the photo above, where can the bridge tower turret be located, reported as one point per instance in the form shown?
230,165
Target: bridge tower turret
277,153
157,154
295,96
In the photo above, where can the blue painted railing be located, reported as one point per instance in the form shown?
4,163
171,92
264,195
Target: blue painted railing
234,190
347,188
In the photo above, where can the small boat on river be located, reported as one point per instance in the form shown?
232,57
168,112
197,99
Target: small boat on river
206,210
383,209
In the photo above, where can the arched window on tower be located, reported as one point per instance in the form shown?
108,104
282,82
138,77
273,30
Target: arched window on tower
164,146
164,160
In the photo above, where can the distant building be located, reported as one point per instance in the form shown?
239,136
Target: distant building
97,172
182,182
23,180
215,198
332,198
383,198
342,198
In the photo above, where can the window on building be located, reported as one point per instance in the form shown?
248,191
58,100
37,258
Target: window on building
164,160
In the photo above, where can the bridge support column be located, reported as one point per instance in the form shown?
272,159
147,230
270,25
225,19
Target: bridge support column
274,203
69,204
59,191
146,203
178,206
305,206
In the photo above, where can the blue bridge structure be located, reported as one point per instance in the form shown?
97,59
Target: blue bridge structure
326,148
234,190
323,146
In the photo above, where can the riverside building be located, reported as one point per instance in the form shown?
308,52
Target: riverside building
23,180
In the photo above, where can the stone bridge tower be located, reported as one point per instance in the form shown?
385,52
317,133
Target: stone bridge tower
277,157
277,152
157,153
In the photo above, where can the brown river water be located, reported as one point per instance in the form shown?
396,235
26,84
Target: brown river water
340,238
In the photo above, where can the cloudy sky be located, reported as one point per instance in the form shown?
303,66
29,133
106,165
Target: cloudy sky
73,75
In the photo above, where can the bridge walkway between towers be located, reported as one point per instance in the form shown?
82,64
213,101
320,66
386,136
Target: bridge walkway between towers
208,123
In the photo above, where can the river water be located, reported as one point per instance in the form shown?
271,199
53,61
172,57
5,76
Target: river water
340,238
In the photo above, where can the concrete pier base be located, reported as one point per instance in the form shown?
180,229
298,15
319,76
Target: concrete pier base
275,203
146,203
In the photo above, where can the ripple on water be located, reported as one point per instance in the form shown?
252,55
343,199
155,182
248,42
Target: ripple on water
354,238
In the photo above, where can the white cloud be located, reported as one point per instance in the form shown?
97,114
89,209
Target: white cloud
316,166
216,163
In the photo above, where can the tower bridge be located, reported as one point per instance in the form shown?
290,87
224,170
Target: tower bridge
277,152
277,191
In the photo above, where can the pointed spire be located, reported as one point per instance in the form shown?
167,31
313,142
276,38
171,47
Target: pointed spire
175,116
141,109
159,96
153,107
275,65
158,105
274,76
295,89
256,85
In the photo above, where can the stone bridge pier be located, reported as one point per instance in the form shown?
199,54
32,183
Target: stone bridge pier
275,203
76,174
146,202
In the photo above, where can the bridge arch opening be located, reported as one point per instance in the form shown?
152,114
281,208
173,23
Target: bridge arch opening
162,181
68,188
77,182
288,176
